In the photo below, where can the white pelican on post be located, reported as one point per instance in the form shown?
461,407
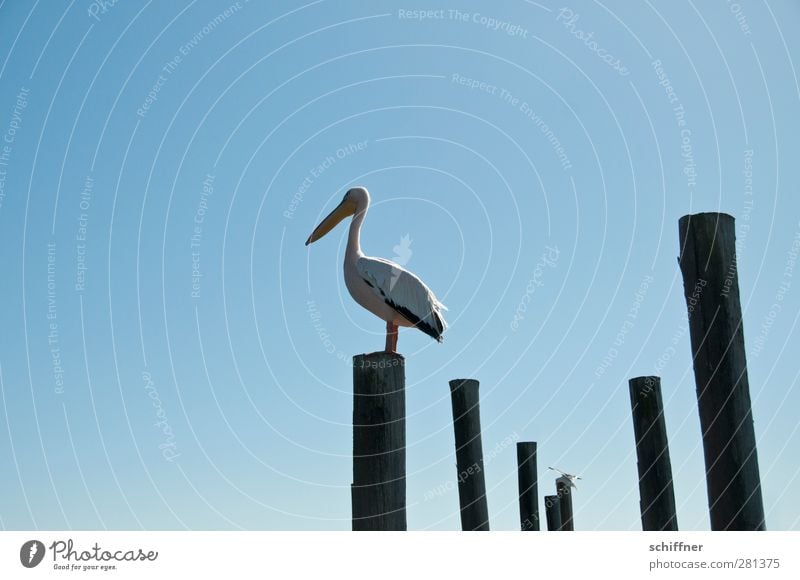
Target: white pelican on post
386,289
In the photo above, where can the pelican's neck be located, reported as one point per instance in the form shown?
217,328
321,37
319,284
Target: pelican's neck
353,251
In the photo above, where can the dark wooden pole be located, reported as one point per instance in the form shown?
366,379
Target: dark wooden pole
552,507
656,495
379,442
469,455
527,479
564,491
711,286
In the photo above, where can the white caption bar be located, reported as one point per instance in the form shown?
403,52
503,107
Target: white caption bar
374,556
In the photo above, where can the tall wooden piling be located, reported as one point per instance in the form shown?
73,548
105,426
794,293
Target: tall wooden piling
656,494
552,508
527,480
711,287
564,490
469,455
379,442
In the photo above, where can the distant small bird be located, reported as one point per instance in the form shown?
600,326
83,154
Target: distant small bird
566,478
385,288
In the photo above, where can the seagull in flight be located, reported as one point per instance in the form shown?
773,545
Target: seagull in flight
566,478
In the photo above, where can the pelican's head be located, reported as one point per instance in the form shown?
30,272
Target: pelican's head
354,201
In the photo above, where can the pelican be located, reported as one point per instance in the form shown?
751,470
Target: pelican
566,478
386,289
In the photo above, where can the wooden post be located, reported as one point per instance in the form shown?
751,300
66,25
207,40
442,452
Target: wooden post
469,455
656,495
565,500
552,507
711,287
379,442
527,479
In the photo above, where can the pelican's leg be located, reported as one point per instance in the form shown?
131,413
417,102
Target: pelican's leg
391,337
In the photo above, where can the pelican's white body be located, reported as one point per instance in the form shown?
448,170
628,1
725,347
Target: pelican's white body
371,281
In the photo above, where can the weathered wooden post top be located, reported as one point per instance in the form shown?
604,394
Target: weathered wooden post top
469,455
711,287
552,507
528,482
656,495
379,442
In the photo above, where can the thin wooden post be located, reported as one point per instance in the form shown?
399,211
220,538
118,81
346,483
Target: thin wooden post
656,494
469,455
552,507
379,442
527,479
711,287
564,489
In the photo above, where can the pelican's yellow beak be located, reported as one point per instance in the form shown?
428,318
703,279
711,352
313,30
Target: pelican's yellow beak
343,210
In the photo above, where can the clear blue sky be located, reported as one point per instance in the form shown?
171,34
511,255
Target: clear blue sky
173,356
